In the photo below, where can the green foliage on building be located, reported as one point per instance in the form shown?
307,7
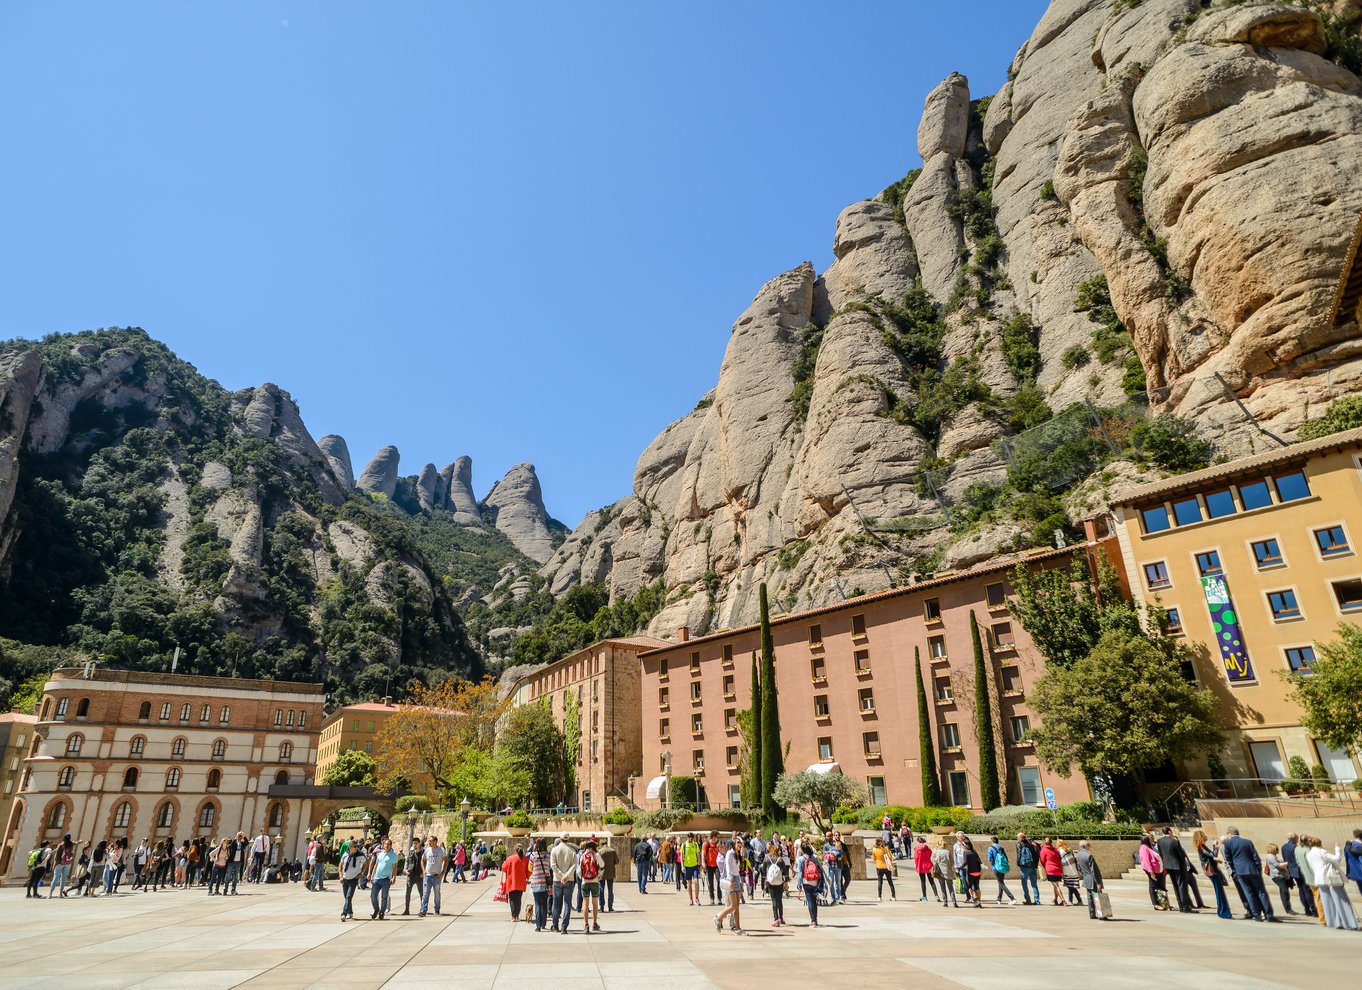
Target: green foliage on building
983,721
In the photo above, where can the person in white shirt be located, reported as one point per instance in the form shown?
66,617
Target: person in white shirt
260,851
1328,871
563,859
730,877
433,865
352,867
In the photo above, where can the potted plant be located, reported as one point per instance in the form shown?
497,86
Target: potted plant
518,823
619,821
1219,776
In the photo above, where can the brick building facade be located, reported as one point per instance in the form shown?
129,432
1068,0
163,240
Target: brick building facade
16,729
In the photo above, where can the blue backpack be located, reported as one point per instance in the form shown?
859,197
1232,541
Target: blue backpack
1025,855
1000,863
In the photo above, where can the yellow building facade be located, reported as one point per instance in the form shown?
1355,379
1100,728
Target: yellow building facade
1258,561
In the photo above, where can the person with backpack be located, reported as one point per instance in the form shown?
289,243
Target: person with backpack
541,882
353,863
643,861
883,856
412,868
1028,858
810,873
589,867
38,861
1152,864
998,863
776,874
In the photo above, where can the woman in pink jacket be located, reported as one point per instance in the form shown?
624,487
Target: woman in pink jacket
922,862
1152,864
1053,867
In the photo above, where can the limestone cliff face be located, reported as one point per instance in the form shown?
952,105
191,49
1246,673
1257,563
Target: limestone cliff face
516,504
1202,159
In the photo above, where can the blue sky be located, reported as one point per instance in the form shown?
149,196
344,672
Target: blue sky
519,231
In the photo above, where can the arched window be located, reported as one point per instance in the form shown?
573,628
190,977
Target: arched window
61,708
281,777
285,752
47,707
225,715
177,747
214,779
144,712
184,712
74,743
83,708
172,778
302,720
28,777
278,717
219,748
207,816
138,746
289,721
67,777
165,711
57,817
130,777
276,815
164,815
205,713
122,815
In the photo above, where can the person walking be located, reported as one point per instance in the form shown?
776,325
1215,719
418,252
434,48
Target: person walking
997,862
883,856
589,867
643,861
95,868
922,864
690,853
383,863
541,883
413,869
710,854
316,861
217,866
38,861
1331,884
1175,866
1152,864
1353,852
1053,866
563,861
662,859
810,873
1293,869
1248,870
1210,866
140,856
1068,861
1309,882
943,861
432,868
352,865
776,876
1028,859
730,876
515,871
610,859
63,859
973,870
1090,876
260,850
1275,868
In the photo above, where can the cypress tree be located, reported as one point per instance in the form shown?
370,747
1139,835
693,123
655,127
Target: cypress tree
983,718
931,780
754,768
772,765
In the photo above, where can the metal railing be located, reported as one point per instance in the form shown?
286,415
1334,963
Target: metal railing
1306,798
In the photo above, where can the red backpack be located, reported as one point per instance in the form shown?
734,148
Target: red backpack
589,865
812,875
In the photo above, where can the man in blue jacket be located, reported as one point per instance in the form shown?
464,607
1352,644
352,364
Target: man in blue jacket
1294,870
1248,870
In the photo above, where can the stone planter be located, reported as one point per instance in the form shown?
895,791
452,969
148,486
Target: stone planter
942,830
618,829
517,833
846,828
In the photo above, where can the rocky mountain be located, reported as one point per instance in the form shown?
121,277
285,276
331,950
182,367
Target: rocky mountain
1151,231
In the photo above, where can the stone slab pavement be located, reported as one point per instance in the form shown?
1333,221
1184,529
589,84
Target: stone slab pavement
287,937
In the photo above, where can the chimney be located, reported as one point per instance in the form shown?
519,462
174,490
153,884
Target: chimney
387,701
683,634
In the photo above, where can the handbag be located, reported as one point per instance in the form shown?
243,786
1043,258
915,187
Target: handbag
1330,876
1103,905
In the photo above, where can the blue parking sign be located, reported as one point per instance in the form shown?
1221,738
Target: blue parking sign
1050,798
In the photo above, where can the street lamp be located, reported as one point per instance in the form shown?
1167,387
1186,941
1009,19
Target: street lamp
411,825
632,778
666,779
464,807
367,821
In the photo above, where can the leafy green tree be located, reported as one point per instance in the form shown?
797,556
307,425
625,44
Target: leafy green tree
490,779
1064,614
353,768
1331,694
1124,708
983,723
532,741
931,780
818,794
755,769
772,766
1171,442
1342,414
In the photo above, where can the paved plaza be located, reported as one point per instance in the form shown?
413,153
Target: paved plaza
285,937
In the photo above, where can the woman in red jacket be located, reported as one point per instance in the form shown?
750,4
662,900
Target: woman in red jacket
922,862
1053,867
515,873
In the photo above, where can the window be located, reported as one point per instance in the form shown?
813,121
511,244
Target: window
825,747
225,715
1331,540
1002,636
220,748
354,722
184,711
695,663
1011,678
74,743
862,658
288,720
858,626
1255,495
950,735
995,595
728,654
931,609
122,815
958,781
285,752
943,689
815,635
731,719
1338,763
278,717
1348,594
57,818
67,777
1300,657
1267,759
662,666
664,728
46,703
302,720
172,778
137,746
214,779
936,647
1220,504
164,815
165,711
1174,622
1208,563
871,742
1283,605
205,713
177,747
1291,487
820,706
1156,575
368,745
695,691
866,699
731,757
1187,511
61,707
728,686
697,760
130,777
1020,726
144,711
207,816
1267,553
1029,780
664,697
876,787
735,795
276,815
697,725
1155,519
83,708
817,670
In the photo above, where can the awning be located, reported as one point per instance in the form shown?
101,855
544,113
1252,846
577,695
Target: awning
655,787
825,768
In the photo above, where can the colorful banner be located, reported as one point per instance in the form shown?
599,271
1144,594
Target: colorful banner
1233,652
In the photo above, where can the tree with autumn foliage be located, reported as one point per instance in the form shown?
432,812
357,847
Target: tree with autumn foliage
426,738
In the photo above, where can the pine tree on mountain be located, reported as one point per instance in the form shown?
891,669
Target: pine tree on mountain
983,717
931,781
772,765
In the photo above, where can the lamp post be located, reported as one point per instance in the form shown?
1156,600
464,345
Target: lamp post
367,821
411,826
667,779
464,807
632,778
